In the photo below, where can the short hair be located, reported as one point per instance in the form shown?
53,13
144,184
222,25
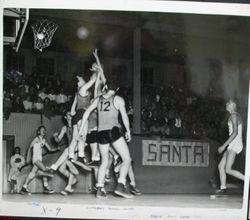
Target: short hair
38,131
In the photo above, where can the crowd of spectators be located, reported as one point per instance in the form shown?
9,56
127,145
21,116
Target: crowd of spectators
35,94
175,112
170,111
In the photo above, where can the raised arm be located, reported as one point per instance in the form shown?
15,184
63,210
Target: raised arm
100,69
59,137
87,85
51,149
73,107
87,113
121,106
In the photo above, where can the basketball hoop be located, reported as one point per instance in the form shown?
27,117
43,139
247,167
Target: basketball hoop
43,32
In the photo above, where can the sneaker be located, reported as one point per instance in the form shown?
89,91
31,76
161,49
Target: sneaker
101,193
24,191
64,193
220,192
94,163
134,190
69,189
122,191
48,190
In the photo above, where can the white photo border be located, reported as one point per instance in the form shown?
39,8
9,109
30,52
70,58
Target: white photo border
105,212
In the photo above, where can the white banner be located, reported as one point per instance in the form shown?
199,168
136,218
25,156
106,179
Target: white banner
175,153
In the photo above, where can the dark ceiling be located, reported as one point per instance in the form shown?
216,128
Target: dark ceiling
163,35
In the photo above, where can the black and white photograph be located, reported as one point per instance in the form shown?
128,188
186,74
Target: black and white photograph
130,111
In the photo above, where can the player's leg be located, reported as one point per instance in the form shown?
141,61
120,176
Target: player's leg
110,161
73,171
104,151
60,160
229,163
122,149
73,142
95,155
63,170
40,165
117,159
81,142
132,185
222,174
29,178
46,188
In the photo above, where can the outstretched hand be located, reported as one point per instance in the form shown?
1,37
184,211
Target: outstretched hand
95,53
221,149
128,136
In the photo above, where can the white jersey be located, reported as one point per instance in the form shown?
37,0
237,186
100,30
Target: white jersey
38,144
237,144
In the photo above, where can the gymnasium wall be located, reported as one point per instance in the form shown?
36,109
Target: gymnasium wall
150,179
23,127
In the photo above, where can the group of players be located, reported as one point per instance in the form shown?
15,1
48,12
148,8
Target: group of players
94,122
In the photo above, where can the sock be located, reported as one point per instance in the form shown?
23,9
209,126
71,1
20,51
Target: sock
123,181
53,167
100,185
132,183
81,154
223,187
45,185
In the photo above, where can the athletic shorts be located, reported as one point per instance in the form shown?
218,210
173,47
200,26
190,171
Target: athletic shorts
36,157
236,148
109,136
78,116
91,137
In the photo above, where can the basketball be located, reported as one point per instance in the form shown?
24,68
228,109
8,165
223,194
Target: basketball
40,36
82,33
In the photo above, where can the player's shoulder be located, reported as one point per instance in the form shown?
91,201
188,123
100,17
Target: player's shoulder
118,98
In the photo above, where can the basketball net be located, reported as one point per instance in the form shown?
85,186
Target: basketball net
43,32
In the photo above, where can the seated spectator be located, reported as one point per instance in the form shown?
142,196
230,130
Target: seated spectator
165,130
18,104
38,106
52,95
61,100
24,85
49,110
28,104
33,92
7,105
42,94
155,129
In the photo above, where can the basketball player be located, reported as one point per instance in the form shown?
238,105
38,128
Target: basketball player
17,161
108,106
39,168
67,168
232,146
80,104
92,120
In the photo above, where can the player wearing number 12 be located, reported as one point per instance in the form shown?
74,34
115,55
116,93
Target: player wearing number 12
108,106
